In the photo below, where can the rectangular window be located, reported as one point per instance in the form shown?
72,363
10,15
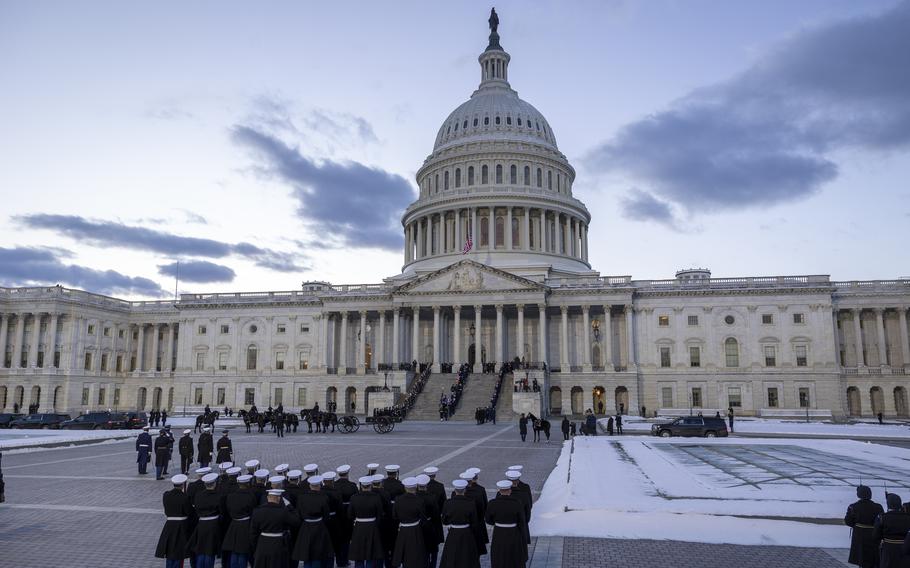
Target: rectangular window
767,319
84,396
197,395
41,359
301,396
802,358
120,334
135,335
116,397
663,321
694,357
104,359
693,320
91,329
107,332
696,397
279,396
664,357
57,359
119,367
279,361
201,330
251,359
132,363
772,397
249,397
770,356
303,362
799,318
731,353
304,329
666,397
222,361
220,397
200,361
735,397
281,328
101,396
225,328
88,362
804,397
23,358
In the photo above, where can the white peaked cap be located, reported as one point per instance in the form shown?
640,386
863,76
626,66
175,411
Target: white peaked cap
206,428
392,468
512,474
459,484
224,466
187,431
466,475
372,466
295,474
315,480
275,491
275,479
516,467
282,467
343,468
310,467
252,463
409,482
378,478
204,470
423,479
328,476
504,484
431,470
209,478
234,471
179,479
473,470
244,478
366,480
261,473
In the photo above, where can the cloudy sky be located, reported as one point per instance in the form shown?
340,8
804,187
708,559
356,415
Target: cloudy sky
263,144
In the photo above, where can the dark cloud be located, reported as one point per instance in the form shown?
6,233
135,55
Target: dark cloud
26,266
641,206
348,202
199,271
768,135
109,233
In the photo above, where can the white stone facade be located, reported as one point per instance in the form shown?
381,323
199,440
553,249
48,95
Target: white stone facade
774,346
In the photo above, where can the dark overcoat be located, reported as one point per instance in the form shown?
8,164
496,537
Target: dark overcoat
366,541
891,528
460,551
410,549
313,539
860,518
207,537
509,548
175,535
239,506
272,519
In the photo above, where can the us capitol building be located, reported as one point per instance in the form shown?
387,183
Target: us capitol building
769,345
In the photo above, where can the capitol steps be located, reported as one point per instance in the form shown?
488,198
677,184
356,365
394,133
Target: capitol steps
427,405
504,412
477,392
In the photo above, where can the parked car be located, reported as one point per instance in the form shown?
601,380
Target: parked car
136,420
42,421
691,426
96,421
7,418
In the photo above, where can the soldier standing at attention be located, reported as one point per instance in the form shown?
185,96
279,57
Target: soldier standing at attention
205,446
366,510
460,515
186,452
861,517
178,511
162,454
891,529
205,543
314,543
279,425
239,507
508,549
523,427
347,489
144,448
269,528
433,534
225,449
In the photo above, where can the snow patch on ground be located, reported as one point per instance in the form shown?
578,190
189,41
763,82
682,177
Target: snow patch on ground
745,491
13,439
788,427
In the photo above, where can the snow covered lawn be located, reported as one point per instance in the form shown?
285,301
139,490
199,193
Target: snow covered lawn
739,491
788,427
14,439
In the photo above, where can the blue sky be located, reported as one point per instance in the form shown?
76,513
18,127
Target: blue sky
264,144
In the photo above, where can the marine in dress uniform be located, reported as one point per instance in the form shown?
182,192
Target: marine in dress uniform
366,510
509,547
162,454
260,485
460,514
238,507
392,488
335,521
225,448
185,448
251,466
205,446
205,543
269,528
479,493
860,518
891,529
433,534
314,543
411,514
347,489
522,492
178,511
144,450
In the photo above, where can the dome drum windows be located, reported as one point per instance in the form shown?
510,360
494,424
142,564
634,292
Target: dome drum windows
513,174
445,183
527,175
470,175
457,178
498,173
539,177
484,175
508,121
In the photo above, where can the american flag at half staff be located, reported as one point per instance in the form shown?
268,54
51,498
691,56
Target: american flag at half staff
468,245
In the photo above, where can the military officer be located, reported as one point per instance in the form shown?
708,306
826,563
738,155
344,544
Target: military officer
185,448
225,448
509,548
144,450
860,518
205,446
178,511
269,528
410,512
460,515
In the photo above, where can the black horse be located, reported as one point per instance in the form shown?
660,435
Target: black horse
205,420
539,425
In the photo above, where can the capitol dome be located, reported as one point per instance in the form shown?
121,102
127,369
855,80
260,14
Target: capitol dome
496,189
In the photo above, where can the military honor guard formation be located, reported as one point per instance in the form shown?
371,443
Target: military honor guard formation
280,518
879,538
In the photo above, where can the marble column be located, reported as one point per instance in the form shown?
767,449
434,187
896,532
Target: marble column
526,230
546,231
508,228
630,337
415,339
417,242
542,333
396,354
343,346
380,351
36,338
491,229
564,365
586,348
858,337
4,334
905,344
436,368
475,234
457,359
140,349
498,343
520,351
407,244
882,346
168,364
478,338
325,320
607,331
540,245
566,248
18,340
362,346
429,236
459,241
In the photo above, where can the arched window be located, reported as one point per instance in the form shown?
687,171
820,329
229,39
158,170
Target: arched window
731,352
445,180
513,175
549,179
500,232
456,127
465,125
539,177
251,357
519,121
484,232
475,123
497,120
437,183
486,121
457,177
484,175
558,183
532,238
470,175
516,238
498,173
527,175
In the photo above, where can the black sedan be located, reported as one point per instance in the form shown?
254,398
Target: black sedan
40,421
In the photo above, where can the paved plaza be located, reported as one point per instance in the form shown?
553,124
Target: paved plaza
85,506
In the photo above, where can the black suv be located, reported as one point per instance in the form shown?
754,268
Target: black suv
7,418
42,421
96,421
136,420
690,426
